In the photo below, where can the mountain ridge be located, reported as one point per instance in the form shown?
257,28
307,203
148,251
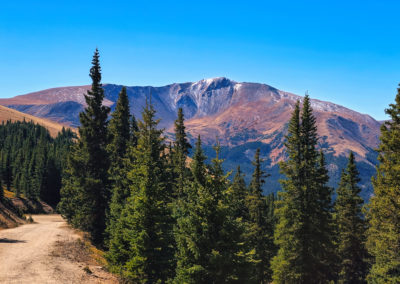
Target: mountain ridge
240,114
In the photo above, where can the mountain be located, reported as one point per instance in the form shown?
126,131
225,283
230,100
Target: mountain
244,116
14,115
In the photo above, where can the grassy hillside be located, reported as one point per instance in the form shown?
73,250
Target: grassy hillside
10,114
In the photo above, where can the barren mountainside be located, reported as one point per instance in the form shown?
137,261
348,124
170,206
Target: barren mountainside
243,116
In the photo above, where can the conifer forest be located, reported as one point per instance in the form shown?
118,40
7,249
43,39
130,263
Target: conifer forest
163,214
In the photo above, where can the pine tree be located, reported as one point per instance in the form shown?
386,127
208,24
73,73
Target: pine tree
239,195
119,130
351,226
120,138
134,129
87,193
258,180
141,250
384,208
304,211
208,236
197,166
260,233
188,230
7,171
180,152
324,226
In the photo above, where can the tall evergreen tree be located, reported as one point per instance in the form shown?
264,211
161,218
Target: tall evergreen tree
207,235
198,167
260,233
86,194
7,170
351,226
239,195
119,130
384,207
120,138
324,225
186,209
304,211
134,130
180,152
258,177
142,249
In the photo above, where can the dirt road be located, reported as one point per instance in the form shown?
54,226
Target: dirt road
35,253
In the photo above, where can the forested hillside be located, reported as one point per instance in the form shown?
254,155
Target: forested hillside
8,114
31,161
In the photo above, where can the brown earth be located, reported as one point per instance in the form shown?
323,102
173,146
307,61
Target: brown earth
14,115
8,218
49,96
48,251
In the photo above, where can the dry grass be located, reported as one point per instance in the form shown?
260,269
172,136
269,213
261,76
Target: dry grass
81,252
8,194
10,114
73,250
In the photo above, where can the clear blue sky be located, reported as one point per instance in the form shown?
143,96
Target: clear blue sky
347,52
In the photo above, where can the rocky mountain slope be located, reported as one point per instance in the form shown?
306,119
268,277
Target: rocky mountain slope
243,116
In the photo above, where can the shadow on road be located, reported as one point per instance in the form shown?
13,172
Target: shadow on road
11,241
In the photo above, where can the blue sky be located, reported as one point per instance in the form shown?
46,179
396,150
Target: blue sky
347,52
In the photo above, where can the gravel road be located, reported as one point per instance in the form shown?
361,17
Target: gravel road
28,255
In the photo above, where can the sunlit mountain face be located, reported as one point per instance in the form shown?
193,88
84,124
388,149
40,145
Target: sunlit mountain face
242,116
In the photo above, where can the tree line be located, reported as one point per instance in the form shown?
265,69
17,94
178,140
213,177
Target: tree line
31,161
164,218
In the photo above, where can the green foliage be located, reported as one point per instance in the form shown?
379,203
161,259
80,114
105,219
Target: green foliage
351,227
179,154
260,231
31,162
85,192
239,195
239,155
304,230
384,209
120,139
208,236
119,130
141,249
198,167
167,223
257,181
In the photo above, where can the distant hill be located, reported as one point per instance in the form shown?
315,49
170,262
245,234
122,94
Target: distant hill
14,115
244,116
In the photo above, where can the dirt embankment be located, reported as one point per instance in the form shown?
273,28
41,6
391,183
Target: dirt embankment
48,251
9,218
14,210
